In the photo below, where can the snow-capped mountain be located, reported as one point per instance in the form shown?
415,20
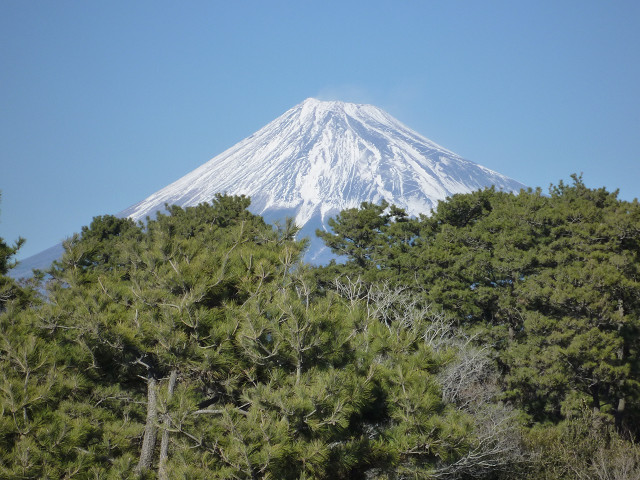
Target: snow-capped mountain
321,157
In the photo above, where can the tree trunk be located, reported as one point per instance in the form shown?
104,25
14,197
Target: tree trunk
164,442
622,356
595,396
150,428
620,414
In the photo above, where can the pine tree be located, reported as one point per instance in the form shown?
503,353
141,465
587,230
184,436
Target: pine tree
551,281
146,304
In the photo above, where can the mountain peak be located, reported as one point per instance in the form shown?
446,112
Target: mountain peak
324,156
315,102
324,107
317,159
321,157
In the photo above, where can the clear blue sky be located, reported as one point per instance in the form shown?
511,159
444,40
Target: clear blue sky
103,103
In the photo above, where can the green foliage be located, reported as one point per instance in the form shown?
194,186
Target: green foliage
198,346
552,282
360,233
584,446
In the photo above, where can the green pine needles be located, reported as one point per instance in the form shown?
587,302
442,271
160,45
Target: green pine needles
464,345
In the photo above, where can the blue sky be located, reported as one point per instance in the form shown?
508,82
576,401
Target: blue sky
103,103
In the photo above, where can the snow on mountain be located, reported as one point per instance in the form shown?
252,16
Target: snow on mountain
322,157
317,159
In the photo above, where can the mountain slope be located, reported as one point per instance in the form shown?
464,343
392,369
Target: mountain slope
317,159
321,157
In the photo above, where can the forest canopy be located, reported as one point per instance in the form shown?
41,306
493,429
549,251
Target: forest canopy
496,338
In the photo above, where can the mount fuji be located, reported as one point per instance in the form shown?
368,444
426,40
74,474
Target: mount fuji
316,159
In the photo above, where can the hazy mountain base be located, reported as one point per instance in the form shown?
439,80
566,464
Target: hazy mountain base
39,261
